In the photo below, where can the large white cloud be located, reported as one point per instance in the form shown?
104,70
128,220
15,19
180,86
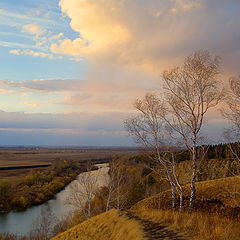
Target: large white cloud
152,34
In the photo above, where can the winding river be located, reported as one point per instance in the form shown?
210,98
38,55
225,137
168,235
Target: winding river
20,223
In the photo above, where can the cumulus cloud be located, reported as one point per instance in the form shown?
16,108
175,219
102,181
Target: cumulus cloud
152,34
42,39
129,32
15,51
39,29
75,48
33,29
56,37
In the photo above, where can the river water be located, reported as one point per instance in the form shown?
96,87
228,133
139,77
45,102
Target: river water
20,223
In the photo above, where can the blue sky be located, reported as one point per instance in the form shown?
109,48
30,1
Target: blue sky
70,70
47,14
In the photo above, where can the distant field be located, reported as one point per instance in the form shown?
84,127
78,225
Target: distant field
44,156
13,157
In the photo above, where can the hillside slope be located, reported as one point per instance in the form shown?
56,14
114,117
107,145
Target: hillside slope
216,215
119,225
214,196
110,225
152,219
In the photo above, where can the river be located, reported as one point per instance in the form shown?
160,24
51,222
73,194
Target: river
20,222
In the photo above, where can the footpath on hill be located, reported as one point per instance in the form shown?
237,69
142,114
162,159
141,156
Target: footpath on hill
118,225
153,230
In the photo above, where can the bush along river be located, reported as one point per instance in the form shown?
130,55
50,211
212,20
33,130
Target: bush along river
21,222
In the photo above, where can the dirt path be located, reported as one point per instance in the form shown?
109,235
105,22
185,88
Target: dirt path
153,231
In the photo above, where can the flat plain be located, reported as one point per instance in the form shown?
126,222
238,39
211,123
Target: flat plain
23,156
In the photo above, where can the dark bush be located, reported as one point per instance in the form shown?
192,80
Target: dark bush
151,180
5,187
146,171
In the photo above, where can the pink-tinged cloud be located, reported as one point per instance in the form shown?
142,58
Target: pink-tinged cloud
75,129
151,34
33,29
63,129
34,53
96,94
31,104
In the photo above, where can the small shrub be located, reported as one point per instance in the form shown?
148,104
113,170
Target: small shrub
20,202
5,187
30,180
151,180
146,171
137,193
40,197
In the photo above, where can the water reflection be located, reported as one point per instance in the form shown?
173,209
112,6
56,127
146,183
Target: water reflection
20,222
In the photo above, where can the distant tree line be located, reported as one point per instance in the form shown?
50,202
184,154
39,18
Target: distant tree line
216,151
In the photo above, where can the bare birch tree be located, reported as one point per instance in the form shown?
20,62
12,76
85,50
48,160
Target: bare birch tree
116,195
232,134
148,128
190,91
110,191
232,113
119,180
110,184
83,190
42,227
177,183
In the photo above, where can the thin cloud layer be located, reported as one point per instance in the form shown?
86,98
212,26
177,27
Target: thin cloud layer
62,129
96,94
33,53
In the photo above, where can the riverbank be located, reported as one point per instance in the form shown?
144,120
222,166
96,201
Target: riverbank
38,186
21,223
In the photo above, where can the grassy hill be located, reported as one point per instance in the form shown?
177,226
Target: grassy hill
216,216
214,196
111,225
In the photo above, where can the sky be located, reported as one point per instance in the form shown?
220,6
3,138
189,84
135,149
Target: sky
70,70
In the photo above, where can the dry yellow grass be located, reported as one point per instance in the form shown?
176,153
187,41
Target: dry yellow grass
212,196
214,204
217,217
197,226
106,226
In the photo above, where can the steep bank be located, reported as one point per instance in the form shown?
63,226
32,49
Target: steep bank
118,225
110,225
